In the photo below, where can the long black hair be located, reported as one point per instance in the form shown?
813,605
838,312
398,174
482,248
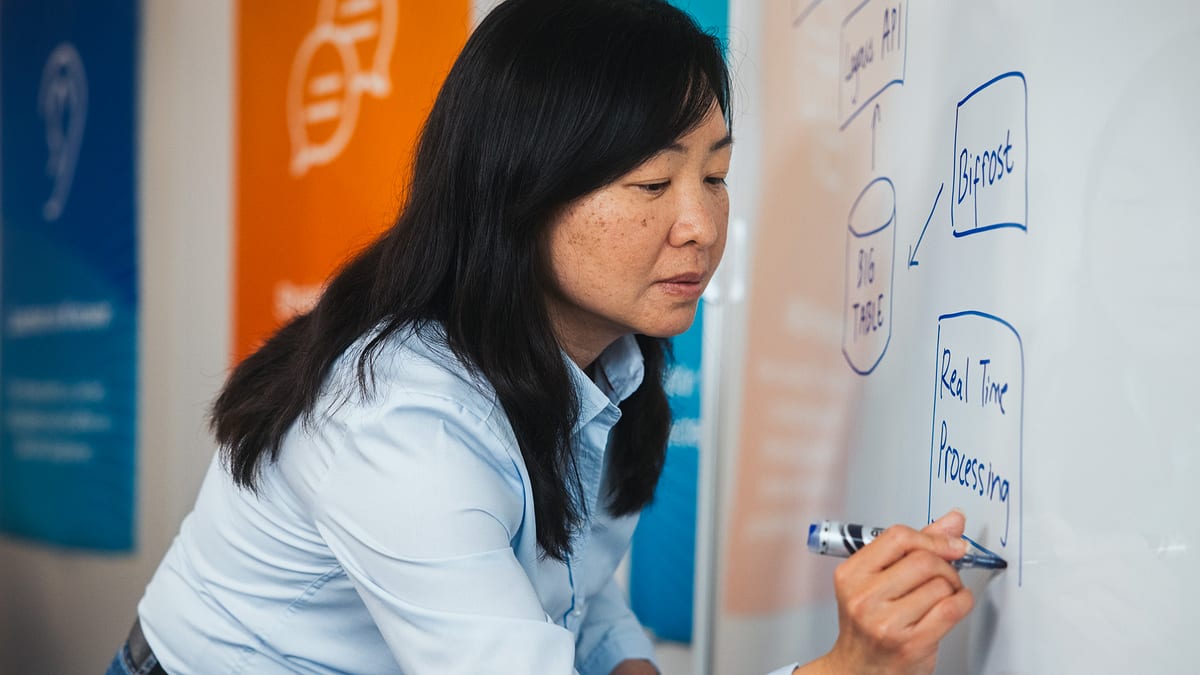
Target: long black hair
548,101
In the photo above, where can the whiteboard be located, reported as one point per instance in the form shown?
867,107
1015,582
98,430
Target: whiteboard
968,280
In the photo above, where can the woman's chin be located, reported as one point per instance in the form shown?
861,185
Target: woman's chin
670,325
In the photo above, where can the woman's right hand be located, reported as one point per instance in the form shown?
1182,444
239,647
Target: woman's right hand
897,598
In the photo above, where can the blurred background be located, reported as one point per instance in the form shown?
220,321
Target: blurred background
178,178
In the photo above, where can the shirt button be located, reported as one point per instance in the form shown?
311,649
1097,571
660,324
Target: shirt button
577,613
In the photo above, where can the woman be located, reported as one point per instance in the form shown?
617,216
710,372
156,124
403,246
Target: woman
438,468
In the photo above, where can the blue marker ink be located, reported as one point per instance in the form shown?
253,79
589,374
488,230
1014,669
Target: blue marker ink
830,537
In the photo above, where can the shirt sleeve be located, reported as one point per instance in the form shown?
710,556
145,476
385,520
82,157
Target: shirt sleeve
610,633
419,507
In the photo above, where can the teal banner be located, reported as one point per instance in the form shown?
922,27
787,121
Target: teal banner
69,273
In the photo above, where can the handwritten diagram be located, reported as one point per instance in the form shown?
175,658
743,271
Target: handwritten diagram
975,445
1030,362
990,157
872,54
870,250
872,51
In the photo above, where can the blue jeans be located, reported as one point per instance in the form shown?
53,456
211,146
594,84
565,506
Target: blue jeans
123,665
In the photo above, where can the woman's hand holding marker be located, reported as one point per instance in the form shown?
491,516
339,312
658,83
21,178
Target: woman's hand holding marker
897,599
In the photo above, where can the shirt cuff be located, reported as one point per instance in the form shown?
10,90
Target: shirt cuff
618,645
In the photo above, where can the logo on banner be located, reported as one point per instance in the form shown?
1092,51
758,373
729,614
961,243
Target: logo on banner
344,57
62,103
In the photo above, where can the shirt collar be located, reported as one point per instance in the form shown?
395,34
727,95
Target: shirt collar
619,372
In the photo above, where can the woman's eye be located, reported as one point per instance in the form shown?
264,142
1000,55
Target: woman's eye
716,181
654,188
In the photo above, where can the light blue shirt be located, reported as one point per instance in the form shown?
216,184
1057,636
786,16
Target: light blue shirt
396,534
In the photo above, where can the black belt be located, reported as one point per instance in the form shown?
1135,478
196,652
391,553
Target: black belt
142,660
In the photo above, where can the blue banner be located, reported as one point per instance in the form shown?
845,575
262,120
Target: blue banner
68,271
662,563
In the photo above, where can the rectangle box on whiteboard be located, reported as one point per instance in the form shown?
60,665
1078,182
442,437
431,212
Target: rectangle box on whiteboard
872,55
975,454
991,157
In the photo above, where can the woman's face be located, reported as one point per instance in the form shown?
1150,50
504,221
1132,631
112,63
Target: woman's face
635,255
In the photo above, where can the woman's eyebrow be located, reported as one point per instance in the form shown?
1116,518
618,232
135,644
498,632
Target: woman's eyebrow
723,143
727,140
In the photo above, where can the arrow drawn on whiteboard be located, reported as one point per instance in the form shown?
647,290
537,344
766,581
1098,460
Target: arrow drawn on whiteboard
912,250
875,118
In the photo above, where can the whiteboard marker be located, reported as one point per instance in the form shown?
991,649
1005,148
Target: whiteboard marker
830,537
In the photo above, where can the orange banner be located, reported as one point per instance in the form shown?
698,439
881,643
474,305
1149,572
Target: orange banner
331,98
